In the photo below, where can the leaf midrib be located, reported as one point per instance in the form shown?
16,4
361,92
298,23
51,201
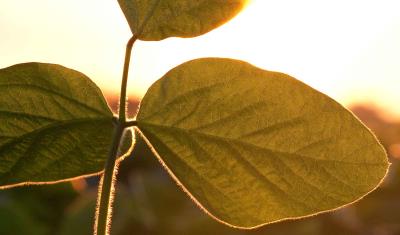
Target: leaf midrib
50,126
190,131
147,17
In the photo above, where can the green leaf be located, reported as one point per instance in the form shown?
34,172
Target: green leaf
55,124
154,20
253,147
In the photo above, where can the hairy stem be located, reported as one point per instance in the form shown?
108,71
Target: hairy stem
104,209
106,188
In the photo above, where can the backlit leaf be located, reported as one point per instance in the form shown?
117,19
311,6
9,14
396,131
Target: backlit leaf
254,147
55,124
154,20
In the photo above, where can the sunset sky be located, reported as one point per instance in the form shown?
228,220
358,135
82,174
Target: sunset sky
349,50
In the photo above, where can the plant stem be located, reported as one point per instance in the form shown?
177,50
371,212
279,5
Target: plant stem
103,213
130,123
106,188
122,98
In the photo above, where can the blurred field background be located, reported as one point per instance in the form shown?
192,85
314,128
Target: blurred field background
349,50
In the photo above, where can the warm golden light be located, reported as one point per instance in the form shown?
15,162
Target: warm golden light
349,50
